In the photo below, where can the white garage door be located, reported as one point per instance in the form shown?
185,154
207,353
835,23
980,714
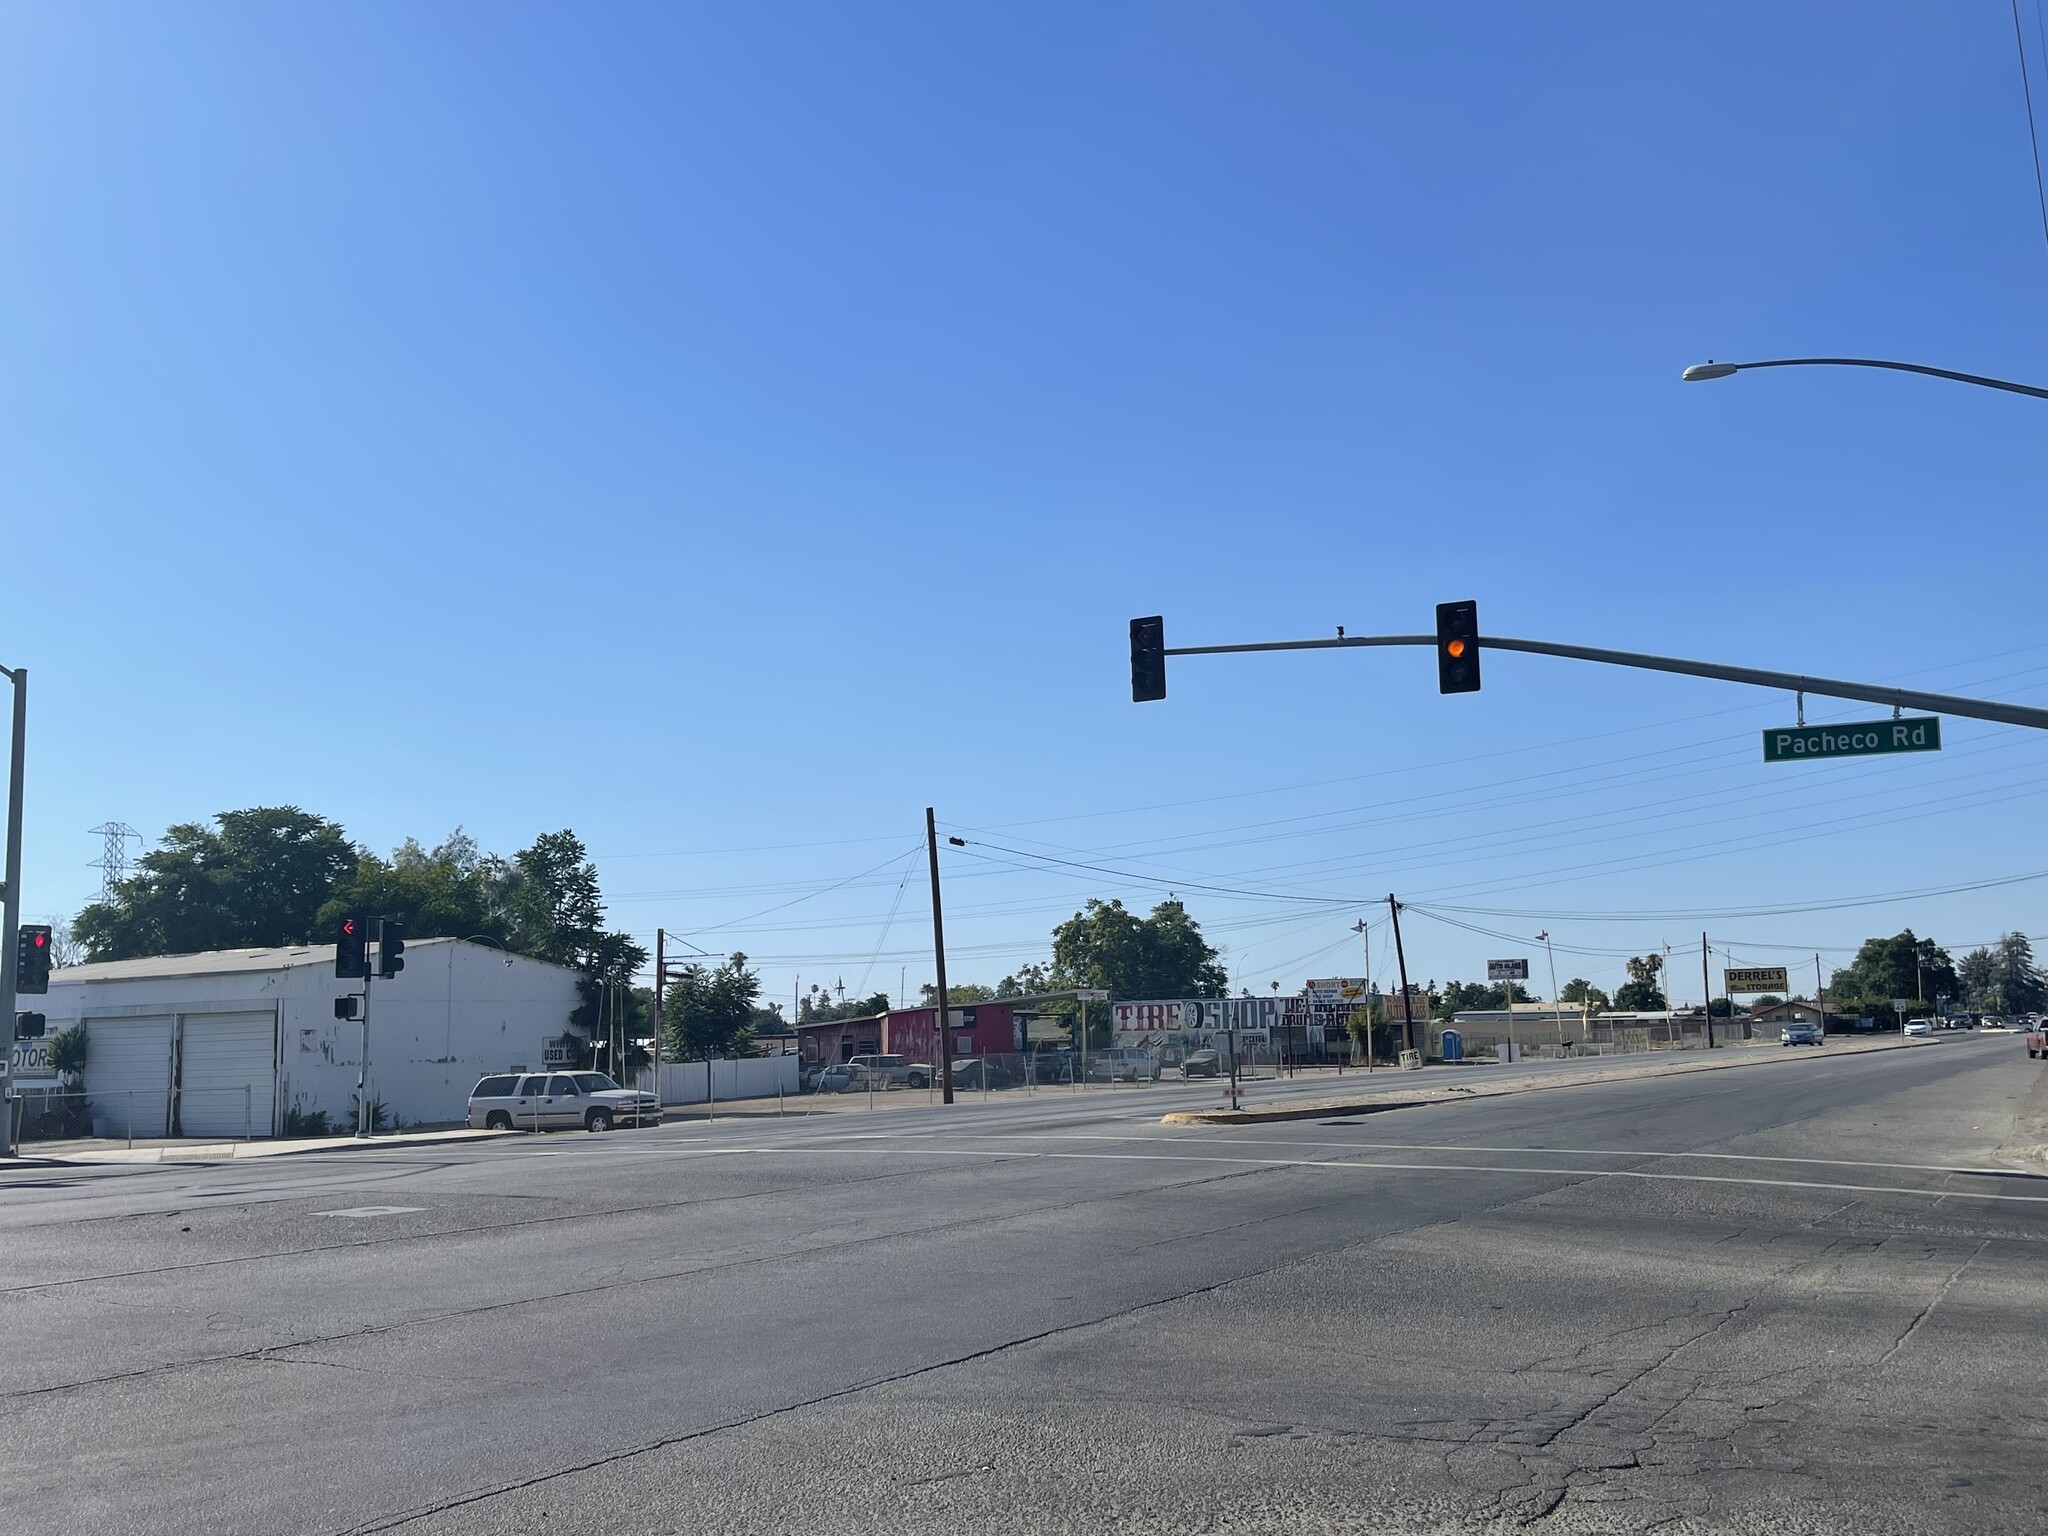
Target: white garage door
128,1075
227,1079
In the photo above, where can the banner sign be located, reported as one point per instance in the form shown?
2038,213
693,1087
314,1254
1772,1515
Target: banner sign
1756,978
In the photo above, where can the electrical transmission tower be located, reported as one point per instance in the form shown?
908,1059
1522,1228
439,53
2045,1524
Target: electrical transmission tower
113,863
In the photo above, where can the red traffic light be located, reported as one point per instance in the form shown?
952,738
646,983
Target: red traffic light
348,925
40,940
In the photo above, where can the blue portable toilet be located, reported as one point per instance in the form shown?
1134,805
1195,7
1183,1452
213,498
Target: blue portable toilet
1454,1046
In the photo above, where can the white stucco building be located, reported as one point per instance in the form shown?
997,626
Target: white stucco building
225,1043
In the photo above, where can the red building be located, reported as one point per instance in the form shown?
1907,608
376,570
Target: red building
985,1029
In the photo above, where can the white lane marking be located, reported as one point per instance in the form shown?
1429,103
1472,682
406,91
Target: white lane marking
359,1212
1354,1167
1424,1146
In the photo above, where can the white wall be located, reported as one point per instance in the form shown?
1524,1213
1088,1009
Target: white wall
455,1013
751,1077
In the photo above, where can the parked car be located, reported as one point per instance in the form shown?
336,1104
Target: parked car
1202,1064
892,1071
1801,1034
1919,1026
843,1077
1054,1066
1124,1064
978,1072
554,1101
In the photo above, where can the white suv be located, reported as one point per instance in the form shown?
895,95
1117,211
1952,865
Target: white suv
554,1101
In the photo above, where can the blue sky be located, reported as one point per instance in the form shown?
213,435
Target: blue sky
726,430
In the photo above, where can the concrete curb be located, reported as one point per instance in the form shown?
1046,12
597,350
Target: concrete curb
1415,1098
239,1151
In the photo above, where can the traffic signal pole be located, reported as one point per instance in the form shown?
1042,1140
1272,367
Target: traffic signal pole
11,904
1789,682
363,1124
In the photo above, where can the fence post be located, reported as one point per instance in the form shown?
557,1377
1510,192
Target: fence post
131,1119
248,1133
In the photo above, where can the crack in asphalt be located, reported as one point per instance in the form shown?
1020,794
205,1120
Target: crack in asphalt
1928,1311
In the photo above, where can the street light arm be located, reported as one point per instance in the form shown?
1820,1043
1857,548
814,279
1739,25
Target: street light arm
1701,371
1789,682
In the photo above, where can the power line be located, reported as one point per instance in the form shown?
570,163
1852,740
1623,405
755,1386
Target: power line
2019,37
1729,914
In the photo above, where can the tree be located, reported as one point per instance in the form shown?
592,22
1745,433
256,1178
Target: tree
964,994
1977,978
451,892
1903,965
555,911
1470,996
1031,980
708,1010
552,899
1161,955
68,1052
2014,976
1640,993
1583,992
64,946
256,877
1373,1033
818,1007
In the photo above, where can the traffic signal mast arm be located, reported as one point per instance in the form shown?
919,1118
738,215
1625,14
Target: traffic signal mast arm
1791,682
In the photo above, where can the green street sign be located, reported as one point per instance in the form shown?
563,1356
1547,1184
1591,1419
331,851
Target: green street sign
1866,738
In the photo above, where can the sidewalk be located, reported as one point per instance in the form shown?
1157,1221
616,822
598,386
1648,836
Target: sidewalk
1673,1064
68,1154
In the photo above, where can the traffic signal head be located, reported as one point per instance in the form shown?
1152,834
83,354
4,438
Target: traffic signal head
1148,659
30,1026
351,949
345,1007
32,958
390,947
1457,647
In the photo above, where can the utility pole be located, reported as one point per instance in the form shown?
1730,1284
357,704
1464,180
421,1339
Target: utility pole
1364,932
941,1018
660,981
1820,1000
9,946
1556,1011
1707,991
1401,960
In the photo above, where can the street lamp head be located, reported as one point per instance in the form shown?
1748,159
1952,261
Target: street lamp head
1700,371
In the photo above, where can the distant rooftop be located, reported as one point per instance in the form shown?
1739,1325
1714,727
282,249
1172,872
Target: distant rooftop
223,962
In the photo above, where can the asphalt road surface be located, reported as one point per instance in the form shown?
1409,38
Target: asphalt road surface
1803,1296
